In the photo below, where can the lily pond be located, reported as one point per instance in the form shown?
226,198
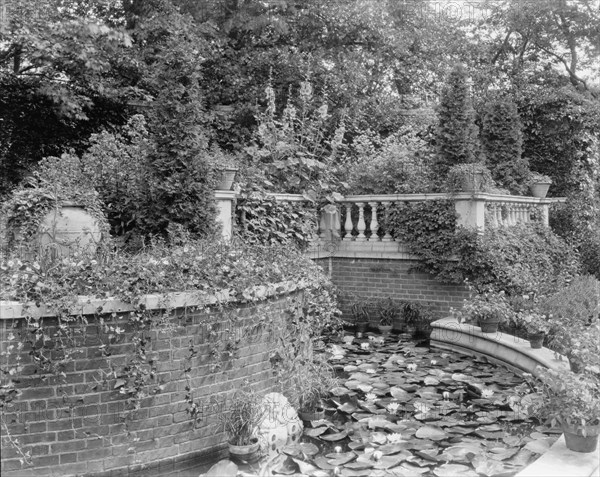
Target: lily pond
403,409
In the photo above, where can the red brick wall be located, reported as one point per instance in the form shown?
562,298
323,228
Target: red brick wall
381,278
77,427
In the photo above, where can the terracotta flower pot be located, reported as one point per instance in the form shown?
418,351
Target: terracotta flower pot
489,324
227,178
536,340
316,415
245,454
577,442
540,189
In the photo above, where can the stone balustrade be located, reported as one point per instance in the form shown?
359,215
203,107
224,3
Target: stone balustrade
361,218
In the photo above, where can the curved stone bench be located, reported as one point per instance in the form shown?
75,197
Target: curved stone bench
511,351
517,355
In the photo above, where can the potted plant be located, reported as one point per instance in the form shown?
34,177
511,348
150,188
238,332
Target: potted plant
361,316
418,318
388,311
241,422
574,316
537,326
571,401
314,381
488,309
529,317
226,168
472,177
539,184
56,208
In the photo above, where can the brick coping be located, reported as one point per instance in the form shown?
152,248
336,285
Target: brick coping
87,305
516,354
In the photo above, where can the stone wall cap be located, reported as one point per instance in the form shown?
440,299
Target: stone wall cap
86,305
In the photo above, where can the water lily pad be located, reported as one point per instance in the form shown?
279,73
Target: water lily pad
486,466
341,458
314,432
348,408
321,462
340,391
337,436
430,432
305,467
388,461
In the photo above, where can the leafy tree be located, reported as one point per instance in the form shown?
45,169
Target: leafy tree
456,135
502,139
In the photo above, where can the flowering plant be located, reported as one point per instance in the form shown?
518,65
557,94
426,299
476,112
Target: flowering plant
566,398
536,177
534,322
487,305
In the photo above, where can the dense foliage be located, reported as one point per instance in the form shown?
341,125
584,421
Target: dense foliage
520,259
501,140
265,220
456,135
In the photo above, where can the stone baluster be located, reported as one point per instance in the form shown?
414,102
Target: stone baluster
545,215
493,218
503,214
518,213
361,226
348,224
387,236
374,225
512,219
528,214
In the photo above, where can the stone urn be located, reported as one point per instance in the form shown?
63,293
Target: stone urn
67,229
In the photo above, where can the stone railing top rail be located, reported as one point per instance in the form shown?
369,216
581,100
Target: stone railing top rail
86,305
431,196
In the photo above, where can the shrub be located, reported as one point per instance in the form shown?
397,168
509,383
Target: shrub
501,140
517,260
399,164
151,182
589,249
456,135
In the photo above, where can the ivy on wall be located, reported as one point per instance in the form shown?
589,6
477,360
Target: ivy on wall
519,259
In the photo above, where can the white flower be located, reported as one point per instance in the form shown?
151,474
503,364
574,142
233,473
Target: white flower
371,397
364,345
394,438
377,455
487,393
10,263
421,407
411,367
370,371
393,407
337,449
446,395
433,362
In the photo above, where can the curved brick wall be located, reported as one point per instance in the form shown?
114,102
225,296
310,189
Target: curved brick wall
78,427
